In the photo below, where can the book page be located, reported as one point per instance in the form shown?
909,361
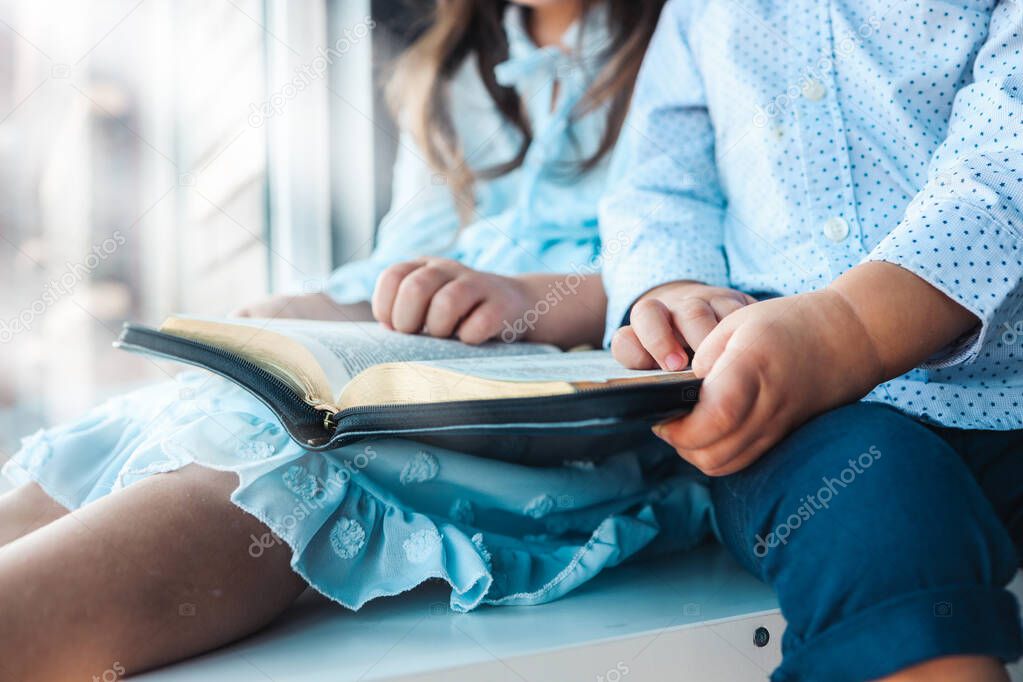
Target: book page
344,349
579,367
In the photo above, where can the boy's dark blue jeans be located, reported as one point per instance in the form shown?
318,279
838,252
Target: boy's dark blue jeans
888,542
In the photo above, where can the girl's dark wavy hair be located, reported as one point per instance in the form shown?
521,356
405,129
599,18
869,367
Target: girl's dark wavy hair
464,29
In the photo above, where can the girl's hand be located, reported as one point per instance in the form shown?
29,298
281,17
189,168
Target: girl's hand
668,322
317,306
767,368
443,298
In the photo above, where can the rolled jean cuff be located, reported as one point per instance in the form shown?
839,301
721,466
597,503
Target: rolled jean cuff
918,627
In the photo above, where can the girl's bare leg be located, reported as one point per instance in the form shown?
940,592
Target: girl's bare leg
152,574
25,509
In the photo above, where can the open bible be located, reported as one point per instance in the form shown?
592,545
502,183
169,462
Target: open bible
335,383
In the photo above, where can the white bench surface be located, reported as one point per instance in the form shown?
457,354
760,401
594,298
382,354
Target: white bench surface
415,636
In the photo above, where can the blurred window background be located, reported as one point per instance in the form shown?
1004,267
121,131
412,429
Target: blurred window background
161,156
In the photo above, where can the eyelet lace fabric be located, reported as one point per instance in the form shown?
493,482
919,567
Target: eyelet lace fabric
377,519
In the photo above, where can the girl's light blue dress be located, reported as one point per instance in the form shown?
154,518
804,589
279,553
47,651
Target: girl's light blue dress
379,518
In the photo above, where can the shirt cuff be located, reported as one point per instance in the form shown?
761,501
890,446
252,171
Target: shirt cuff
968,255
648,264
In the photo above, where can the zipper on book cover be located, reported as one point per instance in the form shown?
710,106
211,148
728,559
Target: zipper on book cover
375,416
326,422
299,411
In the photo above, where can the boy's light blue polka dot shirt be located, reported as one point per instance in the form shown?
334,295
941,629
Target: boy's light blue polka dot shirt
774,145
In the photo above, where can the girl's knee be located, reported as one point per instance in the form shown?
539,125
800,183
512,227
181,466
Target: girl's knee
30,498
25,510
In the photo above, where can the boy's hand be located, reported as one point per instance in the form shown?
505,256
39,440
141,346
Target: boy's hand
443,298
669,322
767,368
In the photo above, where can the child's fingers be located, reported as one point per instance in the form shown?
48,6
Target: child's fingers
724,405
414,295
652,323
711,349
386,289
482,324
695,319
723,306
451,303
731,454
627,350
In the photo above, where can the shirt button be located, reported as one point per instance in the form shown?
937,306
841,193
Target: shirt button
836,229
814,90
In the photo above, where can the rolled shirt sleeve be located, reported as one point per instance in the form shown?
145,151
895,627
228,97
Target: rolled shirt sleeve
963,233
664,215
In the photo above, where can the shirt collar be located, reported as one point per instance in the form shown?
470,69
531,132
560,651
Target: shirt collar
587,39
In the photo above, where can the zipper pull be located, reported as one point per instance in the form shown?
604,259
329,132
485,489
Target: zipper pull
329,412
